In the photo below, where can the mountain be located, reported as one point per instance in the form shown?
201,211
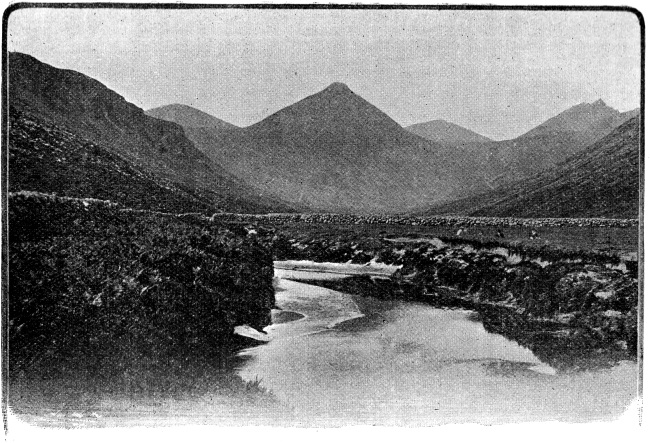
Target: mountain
87,109
336,152
593,120
332,151
551,142
188,116
441,131
46,158
600,181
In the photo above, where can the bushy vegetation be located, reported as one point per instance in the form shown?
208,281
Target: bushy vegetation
103,287
543,252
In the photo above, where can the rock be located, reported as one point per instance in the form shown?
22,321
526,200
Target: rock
613,314
604,295
565,318
248,332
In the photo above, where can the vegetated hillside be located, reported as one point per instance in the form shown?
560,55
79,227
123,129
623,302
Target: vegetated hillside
188,116
551,142
46,158
337,152
600,181
444,132
86,108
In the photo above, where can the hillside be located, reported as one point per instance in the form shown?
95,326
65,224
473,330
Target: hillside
89,111
441,131
600,181
591,120
337,152
551,142
46,158
188,116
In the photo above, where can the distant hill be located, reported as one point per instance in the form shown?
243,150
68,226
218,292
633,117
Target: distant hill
600,181
337,152
593,120
551,142
441,131
188,116
89,111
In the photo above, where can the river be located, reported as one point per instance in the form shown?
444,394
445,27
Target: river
334,359
349,360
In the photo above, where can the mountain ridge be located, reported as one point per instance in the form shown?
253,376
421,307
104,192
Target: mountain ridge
442,131
549,143
600,181
583,117
89,109
188,116
332,151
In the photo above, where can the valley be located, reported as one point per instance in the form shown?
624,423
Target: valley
322,266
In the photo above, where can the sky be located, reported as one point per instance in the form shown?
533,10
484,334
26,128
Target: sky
499,73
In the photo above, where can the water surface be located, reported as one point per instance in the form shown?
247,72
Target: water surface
358,360
334,359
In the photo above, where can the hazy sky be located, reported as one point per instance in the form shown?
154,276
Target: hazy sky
499,73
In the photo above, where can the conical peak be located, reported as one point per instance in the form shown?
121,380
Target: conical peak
599,103
338,87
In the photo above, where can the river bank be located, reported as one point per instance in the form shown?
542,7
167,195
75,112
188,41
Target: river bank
112,310
582,304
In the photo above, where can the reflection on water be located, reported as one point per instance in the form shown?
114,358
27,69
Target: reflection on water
354,360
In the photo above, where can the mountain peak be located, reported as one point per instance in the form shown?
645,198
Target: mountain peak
338,87
336,110
586,118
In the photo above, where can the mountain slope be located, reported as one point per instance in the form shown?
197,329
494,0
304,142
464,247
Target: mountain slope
590,119
441,131
335,151
551,142
600,181
46,158
188,116
86,108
